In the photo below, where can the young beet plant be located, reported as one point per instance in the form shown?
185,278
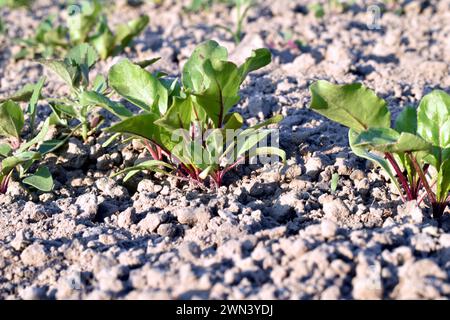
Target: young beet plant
242,8
188,127
78,106
18,155
86,24
415,153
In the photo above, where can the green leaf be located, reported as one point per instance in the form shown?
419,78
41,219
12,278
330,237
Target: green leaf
33,101
233,121
194,77
103,40
407,121
377,159
100,84
41,180
247,142
5,150
22,95
110,140
65,71
144,126
81,23
10,163
145,63
82,54
66,109
433,116
334,182
318,9
138,86
97,99
82,57
243,135
443,182
259,58
205,173
388,140
178,116
11,119
353,105
222,92
126,32
51,145
38,138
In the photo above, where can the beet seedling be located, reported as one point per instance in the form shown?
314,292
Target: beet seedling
242,9
86,24
74,71
185,126
419,139
18,155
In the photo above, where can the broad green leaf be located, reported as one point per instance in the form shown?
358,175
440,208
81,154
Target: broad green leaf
41,180
377,159
56,119
259,58
83,54
81,23
178,116
65,71
443,182
144,126
407,121
353,105
214,143
97,99
138,86
194,77
103,40
221,94
82,57
66,109
389,140
126,32
433,116
5,150
11,119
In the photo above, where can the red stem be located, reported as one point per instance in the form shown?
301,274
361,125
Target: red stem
430,193
400,176
419,182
